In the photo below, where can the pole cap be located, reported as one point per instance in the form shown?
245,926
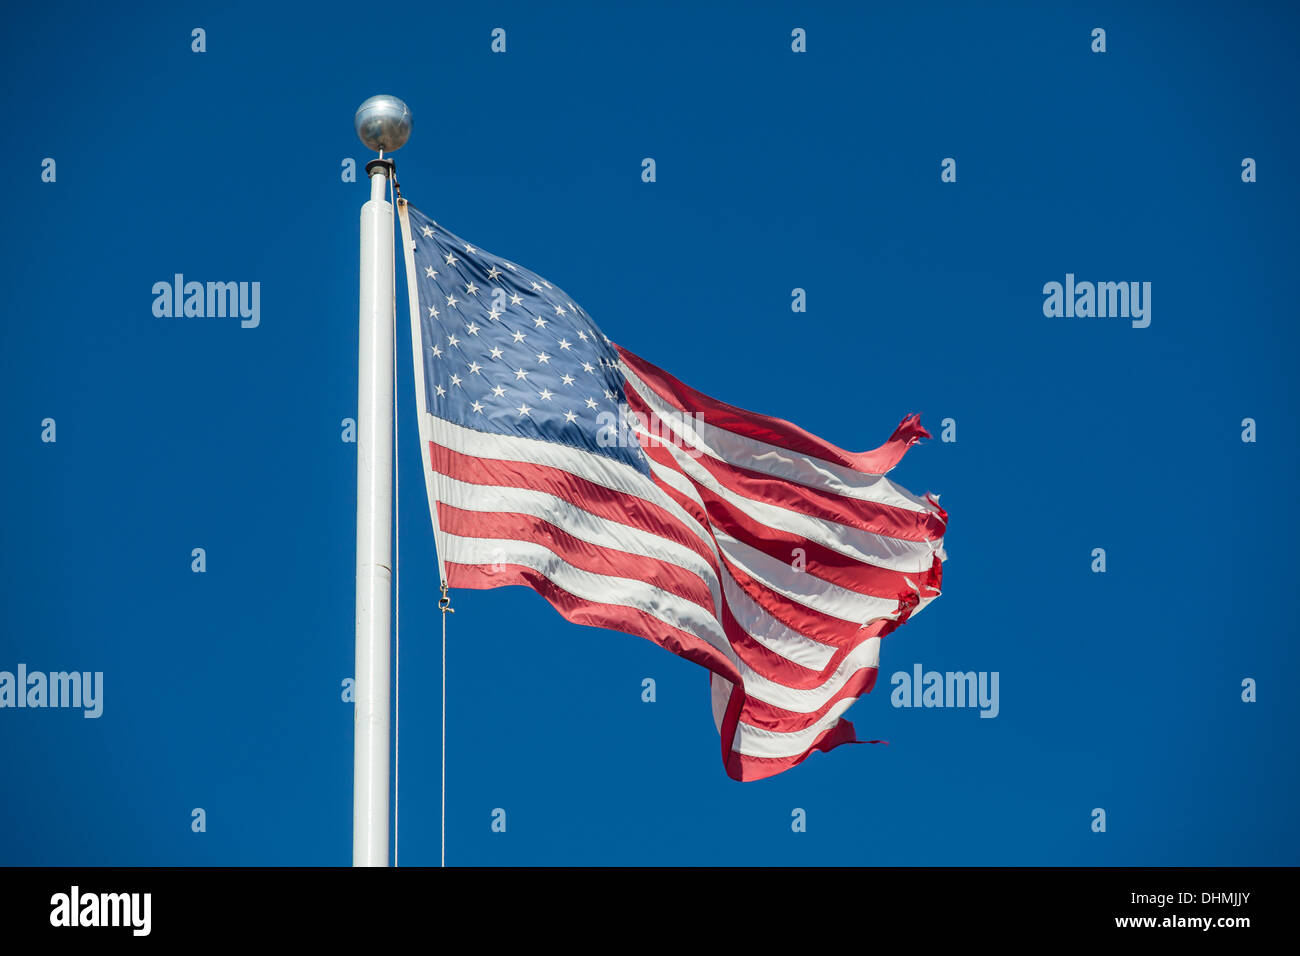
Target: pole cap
383,122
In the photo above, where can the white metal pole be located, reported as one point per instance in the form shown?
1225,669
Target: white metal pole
370,781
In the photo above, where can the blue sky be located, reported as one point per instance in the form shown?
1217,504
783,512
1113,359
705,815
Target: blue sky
775,170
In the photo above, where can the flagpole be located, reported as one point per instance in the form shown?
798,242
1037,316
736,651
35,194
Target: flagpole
383,123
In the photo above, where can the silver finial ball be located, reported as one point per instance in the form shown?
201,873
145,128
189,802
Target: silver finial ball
383,122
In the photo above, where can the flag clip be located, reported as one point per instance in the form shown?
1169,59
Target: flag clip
444,603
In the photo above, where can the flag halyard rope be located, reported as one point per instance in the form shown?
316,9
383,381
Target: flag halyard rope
444,605
435,486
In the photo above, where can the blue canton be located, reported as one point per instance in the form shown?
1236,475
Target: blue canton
506,352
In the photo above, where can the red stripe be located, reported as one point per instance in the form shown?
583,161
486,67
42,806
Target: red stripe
580,492
583,555
744,767
756,655
820,561
799,617
831,566
870,516
775,431
760,713
727,727
615,617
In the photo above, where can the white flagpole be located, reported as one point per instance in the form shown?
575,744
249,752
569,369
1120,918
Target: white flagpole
383,123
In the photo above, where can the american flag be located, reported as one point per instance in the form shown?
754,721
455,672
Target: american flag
560,461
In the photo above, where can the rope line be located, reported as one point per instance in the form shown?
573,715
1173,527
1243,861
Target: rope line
444,605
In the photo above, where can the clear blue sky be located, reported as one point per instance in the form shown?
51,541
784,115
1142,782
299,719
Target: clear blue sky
775,170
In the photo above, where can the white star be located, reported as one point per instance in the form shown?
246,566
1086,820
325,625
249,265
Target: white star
472,329
469,248
543,358
515,298
588,367
582,335
510,267
427,232
437,352
520,375
565,343
455,380
471,289
433,312
428,271
559,310
498,391
452,300
494,273
568,379
493,314
609,395
524,409
496,352
539,322
441,391
451,260
474,368
590,403
519,336
453,341
477,406
537,287
545,283
546,394
570,417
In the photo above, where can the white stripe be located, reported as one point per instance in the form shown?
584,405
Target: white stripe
867,654
774,460
597,588
582,525
806,701
615,475
882,551
720,696
775,636
424,420
784,581
751,617
755,742
804,588
757,620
